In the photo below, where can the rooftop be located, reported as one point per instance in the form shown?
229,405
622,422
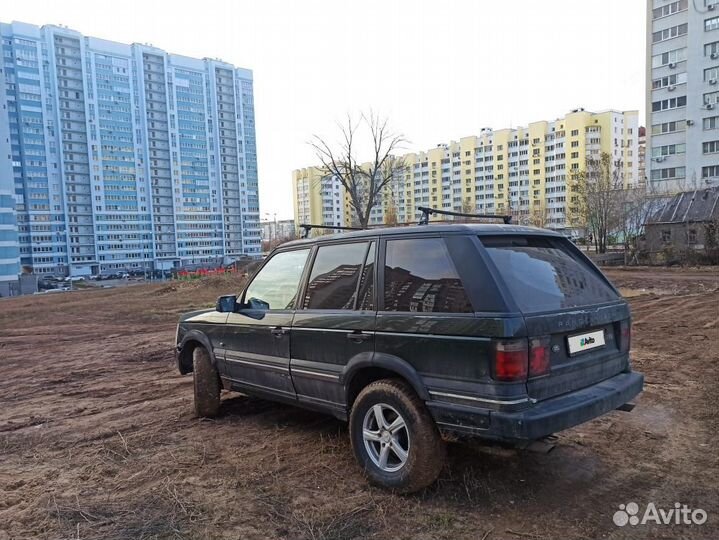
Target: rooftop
689,207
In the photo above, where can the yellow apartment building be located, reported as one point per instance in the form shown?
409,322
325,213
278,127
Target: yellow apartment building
525,171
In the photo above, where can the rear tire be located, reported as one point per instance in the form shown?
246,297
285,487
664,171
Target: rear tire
206,383
394,438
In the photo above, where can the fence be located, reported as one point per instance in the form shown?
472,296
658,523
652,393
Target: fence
186,275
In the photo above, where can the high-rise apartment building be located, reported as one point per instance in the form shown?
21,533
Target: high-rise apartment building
642,156
318,199
282,229
9,249
528,172
125,156
682,94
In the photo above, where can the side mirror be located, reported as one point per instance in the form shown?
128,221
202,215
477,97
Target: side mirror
226,304
256,303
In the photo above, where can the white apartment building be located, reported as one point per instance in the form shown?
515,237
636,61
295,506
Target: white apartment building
682,94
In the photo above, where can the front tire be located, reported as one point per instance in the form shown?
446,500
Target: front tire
206,384
394,437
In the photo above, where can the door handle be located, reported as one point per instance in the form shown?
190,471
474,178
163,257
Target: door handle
278,331
358,337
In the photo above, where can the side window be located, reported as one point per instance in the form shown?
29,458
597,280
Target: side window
275,287
334,276
420,276
366,286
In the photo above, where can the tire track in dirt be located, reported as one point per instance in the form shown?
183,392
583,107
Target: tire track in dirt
119,451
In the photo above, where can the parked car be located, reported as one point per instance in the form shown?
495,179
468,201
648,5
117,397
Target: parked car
416,334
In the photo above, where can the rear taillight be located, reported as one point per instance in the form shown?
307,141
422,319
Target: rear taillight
510,360
625,335
539,359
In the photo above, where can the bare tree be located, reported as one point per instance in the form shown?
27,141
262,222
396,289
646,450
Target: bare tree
390,216
468,206
364,183
539,217
711,240
598,197
636,206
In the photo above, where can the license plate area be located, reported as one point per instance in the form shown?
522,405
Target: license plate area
585,341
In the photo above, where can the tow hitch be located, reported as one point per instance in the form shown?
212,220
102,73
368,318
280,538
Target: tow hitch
627,407
542,446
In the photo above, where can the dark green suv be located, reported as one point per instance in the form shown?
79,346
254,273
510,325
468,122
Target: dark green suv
495,331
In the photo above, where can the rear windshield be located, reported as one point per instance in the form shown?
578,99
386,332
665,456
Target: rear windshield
543,274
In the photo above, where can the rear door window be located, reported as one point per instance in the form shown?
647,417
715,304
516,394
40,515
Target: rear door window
542,274
334,277
419,276
366,285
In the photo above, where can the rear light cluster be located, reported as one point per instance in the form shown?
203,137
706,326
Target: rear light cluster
517,359
539,350
625,335
510,360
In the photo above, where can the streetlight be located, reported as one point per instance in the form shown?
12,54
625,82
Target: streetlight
274,234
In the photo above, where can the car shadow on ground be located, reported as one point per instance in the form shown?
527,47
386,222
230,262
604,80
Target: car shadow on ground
476,473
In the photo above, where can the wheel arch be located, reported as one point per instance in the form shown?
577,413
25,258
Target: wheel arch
190,341
363,370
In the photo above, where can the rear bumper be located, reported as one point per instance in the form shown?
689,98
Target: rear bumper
543,418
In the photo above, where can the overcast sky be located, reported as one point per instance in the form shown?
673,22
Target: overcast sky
438,70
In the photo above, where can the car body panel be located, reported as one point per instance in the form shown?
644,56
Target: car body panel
257,350
445,357
323,342
570,372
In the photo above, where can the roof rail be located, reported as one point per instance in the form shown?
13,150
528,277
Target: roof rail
307,227
426,212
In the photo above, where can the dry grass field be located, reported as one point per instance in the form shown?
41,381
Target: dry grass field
98,438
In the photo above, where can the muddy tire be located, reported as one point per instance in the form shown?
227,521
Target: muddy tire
207,384
394,438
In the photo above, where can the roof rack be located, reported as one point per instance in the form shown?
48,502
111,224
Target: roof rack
307,227
426,212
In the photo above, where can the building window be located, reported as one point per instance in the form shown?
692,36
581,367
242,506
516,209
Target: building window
668,150
669,33
711,74
669,9
711,24
711,123
710,147
692,236
669,57
669,127
666,236
712,171
672,103
712,49
711,98
670,80
670,173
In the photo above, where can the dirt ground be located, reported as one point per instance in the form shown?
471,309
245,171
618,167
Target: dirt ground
98,438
